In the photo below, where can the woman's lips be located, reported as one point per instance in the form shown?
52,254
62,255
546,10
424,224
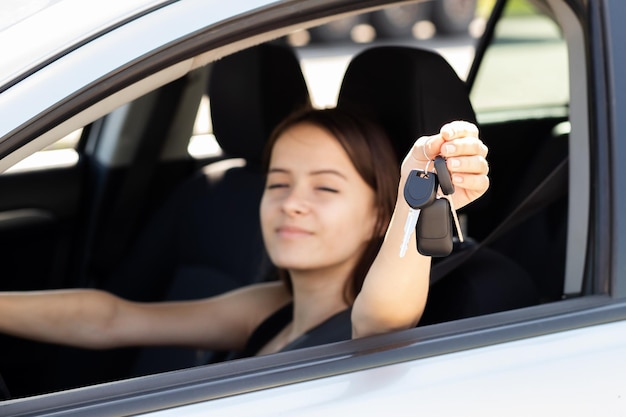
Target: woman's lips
292,232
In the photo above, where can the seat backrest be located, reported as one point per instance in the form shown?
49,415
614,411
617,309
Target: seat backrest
206,239
413,92
251,92
4,392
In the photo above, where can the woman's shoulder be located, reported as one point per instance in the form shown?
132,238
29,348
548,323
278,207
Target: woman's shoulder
264,292
260,301
227,320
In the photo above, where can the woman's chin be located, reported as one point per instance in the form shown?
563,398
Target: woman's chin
294,259
293,265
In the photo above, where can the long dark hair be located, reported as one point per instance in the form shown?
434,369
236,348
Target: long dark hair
371,153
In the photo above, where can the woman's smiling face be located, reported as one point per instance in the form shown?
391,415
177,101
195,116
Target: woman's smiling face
317,213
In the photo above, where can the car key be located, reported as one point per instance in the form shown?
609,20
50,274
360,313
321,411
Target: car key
420,190
447,188
434,229
444,177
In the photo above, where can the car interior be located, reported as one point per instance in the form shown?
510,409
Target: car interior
138,216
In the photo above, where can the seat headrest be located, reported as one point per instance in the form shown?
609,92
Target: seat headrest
250,93
411,92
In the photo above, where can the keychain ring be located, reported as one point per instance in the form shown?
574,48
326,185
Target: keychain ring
424,151
427,165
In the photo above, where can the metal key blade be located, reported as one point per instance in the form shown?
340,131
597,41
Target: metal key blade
447,188
409,229
457,224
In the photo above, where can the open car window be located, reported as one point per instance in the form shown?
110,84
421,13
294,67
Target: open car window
523,70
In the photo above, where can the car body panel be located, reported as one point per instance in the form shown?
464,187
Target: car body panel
63,30
564,357
571,331
486,381
614,59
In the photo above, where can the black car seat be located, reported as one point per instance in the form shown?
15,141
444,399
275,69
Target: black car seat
4,391
413,92
206,238
538,240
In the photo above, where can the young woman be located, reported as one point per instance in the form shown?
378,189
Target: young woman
332,221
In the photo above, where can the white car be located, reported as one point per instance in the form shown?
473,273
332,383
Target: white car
110,160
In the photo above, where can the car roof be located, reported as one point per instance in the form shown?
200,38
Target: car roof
35,31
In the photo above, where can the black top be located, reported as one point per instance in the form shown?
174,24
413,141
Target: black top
334,329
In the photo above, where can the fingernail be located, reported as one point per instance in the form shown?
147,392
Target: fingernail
450,149
457,179
454,163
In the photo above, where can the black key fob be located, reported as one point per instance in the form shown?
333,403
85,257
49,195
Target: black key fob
420,189
434,229
445,180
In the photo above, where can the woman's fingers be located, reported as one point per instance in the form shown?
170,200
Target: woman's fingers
426,148
430,146
458,129
458,142
473,164
473,182
469,187
467,145
455,138
466,159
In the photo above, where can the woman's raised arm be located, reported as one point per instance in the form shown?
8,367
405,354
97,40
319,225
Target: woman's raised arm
394,292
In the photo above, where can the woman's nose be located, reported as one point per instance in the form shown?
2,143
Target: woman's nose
295,202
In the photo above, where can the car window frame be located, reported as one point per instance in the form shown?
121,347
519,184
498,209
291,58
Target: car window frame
609,89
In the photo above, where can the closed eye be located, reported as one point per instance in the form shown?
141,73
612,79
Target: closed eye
328,189
276,185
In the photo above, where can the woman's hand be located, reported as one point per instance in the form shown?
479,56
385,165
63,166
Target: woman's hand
465,157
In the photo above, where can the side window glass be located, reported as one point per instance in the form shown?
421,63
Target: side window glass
525,66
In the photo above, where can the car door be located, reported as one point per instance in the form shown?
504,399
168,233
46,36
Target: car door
562,356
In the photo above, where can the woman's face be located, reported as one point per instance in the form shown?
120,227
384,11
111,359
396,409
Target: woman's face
316,212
